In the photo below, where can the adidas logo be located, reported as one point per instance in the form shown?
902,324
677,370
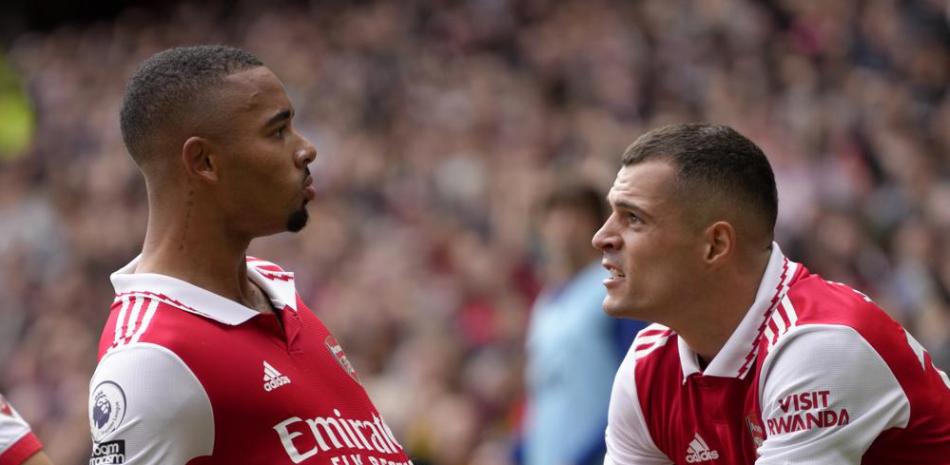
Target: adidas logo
698,451
272,378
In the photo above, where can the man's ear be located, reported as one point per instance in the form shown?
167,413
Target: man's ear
196,156
720,238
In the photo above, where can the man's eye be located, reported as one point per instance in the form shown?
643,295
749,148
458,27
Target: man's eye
633,218
280,132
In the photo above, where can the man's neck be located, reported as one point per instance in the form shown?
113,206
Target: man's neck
707,329
199,254
707,336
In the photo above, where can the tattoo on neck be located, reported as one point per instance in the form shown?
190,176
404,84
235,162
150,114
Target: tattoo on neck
188,205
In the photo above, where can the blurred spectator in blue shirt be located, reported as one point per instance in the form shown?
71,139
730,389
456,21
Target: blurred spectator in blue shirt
573,347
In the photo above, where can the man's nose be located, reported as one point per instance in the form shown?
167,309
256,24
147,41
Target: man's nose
605,238
307,154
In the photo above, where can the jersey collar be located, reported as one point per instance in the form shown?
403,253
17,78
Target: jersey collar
738,354
278,285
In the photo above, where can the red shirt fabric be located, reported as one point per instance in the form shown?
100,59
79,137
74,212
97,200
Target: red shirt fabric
815,373
189,377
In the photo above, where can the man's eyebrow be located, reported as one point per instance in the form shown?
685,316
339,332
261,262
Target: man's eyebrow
281,115
625,205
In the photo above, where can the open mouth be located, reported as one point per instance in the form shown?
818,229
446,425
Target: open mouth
616,277
614,270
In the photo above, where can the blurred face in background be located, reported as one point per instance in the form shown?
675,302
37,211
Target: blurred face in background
565,237
654,256
263,175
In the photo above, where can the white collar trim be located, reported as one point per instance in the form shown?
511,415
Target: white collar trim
279,287
736,357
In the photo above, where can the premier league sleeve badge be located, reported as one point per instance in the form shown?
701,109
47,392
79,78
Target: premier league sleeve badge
107,410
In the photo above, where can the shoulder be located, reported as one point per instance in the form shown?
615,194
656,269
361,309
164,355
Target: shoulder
816,306
654,350
821,305
140,317
650,339
800,347
144,397
835,368
12,425
650,373
628,437
645,358
815,300
827,394
17,442
143,369
831,322
652,357
834,334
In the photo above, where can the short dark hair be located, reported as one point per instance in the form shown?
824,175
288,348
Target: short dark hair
577,196
168,85
713,160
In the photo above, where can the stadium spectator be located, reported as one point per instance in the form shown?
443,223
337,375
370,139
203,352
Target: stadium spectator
573,347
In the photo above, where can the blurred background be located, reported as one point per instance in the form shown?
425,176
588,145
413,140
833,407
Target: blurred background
439,126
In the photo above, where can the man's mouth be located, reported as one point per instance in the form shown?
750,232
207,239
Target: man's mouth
615,271
309,191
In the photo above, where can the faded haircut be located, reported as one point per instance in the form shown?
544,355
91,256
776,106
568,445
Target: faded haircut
167,88
713,161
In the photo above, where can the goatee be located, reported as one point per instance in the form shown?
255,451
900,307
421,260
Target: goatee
298,220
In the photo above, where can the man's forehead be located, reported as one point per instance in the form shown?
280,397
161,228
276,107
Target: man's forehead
650,179
255,88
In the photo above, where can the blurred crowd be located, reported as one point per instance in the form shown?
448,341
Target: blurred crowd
439,125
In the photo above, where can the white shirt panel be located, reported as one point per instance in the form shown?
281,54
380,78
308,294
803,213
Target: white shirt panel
811,372
628,438
12,429
146,397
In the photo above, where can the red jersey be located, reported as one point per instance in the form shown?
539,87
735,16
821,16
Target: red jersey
186,376
17,442
815,373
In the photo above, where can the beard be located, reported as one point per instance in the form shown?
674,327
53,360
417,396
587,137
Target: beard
298,219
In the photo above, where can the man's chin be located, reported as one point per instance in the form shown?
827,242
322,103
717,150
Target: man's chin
613,308
297,220
619,309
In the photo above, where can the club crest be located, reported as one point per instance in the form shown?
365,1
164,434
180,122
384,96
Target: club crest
758,434
337,351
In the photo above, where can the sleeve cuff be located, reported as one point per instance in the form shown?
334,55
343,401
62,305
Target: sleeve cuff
21,450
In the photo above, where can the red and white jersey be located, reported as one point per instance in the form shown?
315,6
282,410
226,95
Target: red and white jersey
186,376
17,442
815,373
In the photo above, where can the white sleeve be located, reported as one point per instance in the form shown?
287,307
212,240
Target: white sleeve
826,394
12,426
14,430
628,438
146,407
